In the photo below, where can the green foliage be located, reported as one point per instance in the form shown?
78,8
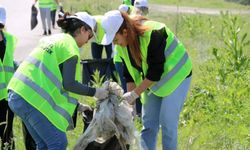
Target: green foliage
219,101
97,79
244,2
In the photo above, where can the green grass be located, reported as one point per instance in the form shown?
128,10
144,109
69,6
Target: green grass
201,3
216,113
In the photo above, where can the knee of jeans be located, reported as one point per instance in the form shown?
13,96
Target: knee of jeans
150,129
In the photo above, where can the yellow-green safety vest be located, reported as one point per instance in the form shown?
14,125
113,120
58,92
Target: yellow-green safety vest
99,29
116,57
45,3
38,80
127,2
176,67
7,65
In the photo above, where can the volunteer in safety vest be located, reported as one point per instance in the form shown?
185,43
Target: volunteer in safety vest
45,7
157,67
7,47
45,88
96,46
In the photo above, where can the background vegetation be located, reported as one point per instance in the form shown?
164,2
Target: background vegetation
216,113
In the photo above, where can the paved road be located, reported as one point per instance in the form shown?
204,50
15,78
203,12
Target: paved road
18,22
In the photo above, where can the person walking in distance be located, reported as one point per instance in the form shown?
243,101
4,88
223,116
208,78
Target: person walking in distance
157,67
44,7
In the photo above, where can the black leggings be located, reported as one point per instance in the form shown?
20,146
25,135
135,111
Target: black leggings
6,132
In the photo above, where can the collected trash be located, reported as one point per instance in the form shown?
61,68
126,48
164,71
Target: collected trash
34,13
112,117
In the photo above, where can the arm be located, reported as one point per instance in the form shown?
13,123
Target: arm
69,82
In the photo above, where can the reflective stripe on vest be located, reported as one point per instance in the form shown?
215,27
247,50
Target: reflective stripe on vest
52,78
170,74
46,96
2,85
38,79
6,65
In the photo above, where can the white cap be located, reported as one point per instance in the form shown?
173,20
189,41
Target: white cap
112,21
86,18
2,15
123,8
140,3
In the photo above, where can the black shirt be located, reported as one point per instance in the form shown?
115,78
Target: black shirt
155,58
2,47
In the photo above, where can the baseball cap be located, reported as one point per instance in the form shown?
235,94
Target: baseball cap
2,15
112,21
86,18
123,7
140,3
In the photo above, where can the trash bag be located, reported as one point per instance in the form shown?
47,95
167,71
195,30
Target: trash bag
34,13
105,66
111,125
111,143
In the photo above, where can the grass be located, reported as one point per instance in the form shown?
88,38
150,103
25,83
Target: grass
202,3
216,113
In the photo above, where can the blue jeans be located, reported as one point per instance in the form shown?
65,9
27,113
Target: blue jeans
119,69
45,134
163,111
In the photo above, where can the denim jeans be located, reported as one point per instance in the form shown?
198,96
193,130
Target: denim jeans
164,112
45,134
119,69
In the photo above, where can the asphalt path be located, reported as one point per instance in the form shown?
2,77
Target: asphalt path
18,23
19,14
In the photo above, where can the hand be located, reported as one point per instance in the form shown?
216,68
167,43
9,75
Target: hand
101,93
130,97
82,107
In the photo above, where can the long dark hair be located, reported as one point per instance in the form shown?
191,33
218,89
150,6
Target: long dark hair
134,29
71,25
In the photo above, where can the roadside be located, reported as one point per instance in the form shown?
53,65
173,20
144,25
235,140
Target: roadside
18,22
194,10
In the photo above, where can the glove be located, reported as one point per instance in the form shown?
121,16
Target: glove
130,97
82,107
101,93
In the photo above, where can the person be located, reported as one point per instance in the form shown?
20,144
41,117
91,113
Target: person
53,9
96,46
44,7
128,2
157,67
126,8
7,47
44,90
140,7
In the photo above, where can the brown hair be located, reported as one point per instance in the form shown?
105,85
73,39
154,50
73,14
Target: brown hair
134,29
